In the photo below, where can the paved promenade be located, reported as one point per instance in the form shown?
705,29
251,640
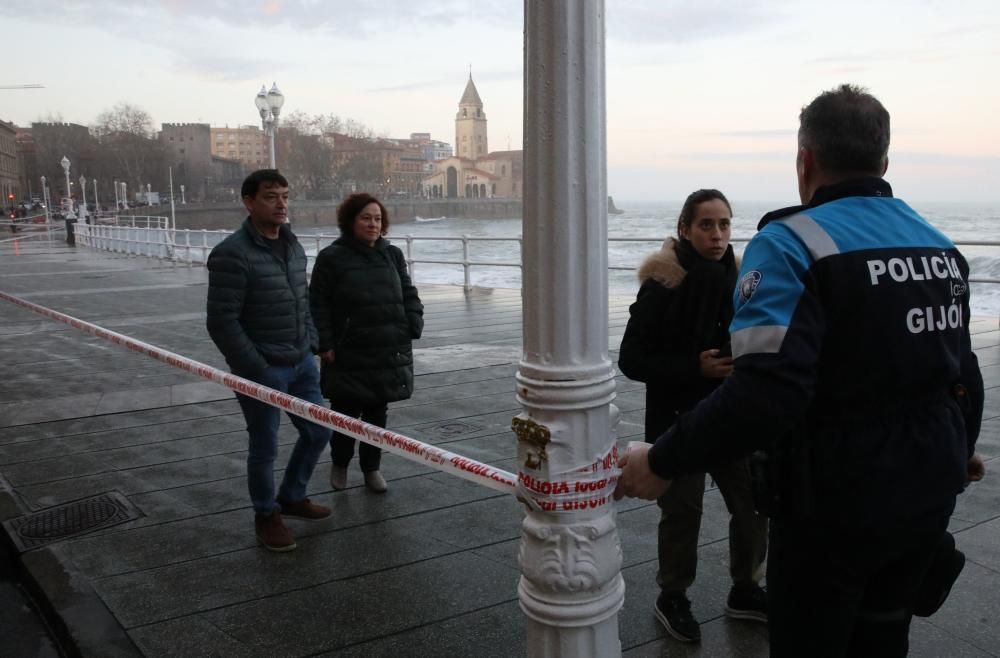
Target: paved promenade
429,569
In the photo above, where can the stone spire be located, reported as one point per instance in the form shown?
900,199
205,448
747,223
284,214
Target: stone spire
470,124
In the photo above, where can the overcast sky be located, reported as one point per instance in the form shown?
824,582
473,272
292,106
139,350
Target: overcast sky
700,94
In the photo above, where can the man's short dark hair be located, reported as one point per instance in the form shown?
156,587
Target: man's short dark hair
847,131
351,207
252,183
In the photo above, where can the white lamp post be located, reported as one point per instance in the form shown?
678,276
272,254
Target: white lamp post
149,194
45,200
97,206
182,196
118,203
83,195
69,193
124,196
269,105
571,586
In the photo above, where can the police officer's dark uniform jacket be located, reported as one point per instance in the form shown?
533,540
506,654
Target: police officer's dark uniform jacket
258,303
851,330
368,311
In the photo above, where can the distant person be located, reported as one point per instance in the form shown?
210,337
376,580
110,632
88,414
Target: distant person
677,342
853,369
258,316
367,312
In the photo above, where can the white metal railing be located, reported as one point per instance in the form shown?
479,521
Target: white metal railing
149,236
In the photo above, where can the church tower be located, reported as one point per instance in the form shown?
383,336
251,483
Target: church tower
470,125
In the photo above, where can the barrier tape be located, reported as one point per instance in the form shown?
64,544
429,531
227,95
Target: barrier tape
404,446
574,490
583,488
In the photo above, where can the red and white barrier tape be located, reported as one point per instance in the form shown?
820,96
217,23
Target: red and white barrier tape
578,489
412,449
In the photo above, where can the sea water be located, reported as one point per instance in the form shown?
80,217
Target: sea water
960,222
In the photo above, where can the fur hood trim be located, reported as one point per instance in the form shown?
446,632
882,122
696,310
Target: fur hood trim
663,266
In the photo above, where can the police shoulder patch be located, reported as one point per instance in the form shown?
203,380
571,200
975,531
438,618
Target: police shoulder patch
748,284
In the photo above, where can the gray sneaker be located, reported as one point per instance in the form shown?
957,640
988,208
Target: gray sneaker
375,482
338,477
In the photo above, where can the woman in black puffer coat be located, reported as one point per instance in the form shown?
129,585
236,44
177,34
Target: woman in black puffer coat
366,312
677,342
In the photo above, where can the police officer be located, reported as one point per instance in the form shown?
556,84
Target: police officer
853,370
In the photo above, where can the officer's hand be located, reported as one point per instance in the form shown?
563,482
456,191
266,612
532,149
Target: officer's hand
636,480
327,356
714,366
976,468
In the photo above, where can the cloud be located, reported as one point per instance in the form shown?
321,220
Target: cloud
931,158
674,23
347,19
449,82
755,134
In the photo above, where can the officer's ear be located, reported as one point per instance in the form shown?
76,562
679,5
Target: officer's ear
805,171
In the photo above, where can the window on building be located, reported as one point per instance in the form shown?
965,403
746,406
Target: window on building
465,112
503,170
478,113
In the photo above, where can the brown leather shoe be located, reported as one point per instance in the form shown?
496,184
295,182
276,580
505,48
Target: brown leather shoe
305,510
272,533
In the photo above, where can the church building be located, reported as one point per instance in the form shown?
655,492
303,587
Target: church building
474,172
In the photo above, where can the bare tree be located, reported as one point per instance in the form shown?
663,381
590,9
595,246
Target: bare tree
305,158
129,150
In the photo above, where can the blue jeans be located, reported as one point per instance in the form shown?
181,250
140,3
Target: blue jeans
263,420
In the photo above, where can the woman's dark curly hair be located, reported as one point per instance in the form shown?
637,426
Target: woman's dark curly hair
351,207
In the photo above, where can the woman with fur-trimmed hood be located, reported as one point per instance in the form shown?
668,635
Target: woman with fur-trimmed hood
677,342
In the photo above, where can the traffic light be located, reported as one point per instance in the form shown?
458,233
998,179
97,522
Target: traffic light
10,196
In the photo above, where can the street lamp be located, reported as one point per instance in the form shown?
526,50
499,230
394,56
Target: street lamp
149,194
83,195
45,200
97,206
269,105
69,194
182,196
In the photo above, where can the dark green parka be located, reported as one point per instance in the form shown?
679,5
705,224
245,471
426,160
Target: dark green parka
367,311
258,305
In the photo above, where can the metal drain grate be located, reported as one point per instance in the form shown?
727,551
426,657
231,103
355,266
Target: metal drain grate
456,428
70,520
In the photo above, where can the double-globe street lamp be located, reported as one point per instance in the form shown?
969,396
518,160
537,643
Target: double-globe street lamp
269,105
